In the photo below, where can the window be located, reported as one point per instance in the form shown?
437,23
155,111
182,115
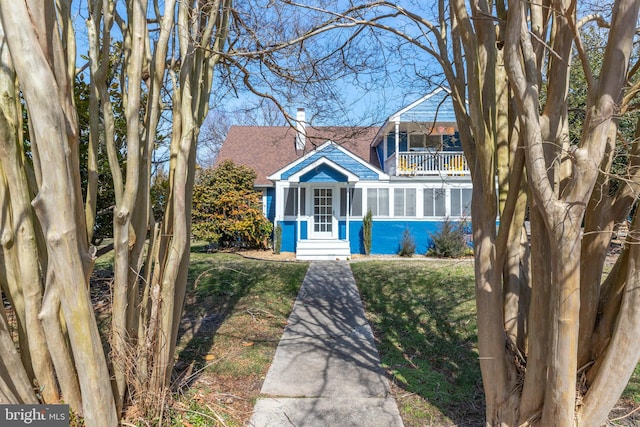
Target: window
291,201
404,202
378,201
355,201
423,142
434,142
461,201
435,202
417,142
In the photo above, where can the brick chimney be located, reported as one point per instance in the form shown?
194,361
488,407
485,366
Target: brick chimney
301,131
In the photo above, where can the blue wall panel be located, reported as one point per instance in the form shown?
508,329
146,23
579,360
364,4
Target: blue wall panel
271,205
380,154
323,173
342,230
289,238
339,157
290,234
386,236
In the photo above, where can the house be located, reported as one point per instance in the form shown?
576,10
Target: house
319,182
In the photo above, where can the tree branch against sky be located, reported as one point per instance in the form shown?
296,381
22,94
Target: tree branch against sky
542,304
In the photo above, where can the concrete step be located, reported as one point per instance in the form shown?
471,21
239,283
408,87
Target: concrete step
316,249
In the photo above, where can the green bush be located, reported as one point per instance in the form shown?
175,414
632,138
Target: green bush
277,239
407,244
367,224
449,241
227,210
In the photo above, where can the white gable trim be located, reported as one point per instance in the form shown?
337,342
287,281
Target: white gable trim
396,117
277,176
351,178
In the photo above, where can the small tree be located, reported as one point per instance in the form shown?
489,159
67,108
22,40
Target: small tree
448,241
407,244
277,239
227,210
366,232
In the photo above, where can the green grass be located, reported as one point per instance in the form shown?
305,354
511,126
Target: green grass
237,301
423,314
234,317
424,318
632,391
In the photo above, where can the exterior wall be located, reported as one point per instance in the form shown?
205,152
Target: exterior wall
385,236
323,173
337,156
269,203
388,228
290,235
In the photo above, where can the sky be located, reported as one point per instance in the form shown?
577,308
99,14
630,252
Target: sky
391,74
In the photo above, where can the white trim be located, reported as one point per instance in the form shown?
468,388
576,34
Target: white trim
324,161
277,176
396,116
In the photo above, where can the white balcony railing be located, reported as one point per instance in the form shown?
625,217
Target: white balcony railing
413,163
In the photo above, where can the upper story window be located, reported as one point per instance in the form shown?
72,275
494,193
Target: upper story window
423,142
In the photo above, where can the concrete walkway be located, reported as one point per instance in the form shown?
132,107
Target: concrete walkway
326,370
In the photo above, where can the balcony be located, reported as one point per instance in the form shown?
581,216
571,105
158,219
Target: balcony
423,163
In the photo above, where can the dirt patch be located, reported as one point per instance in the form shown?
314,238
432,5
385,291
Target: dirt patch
267,255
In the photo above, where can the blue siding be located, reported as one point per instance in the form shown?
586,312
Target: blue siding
290,234
323,173
333,153
271,204
380,153
386,236
391,144
439,108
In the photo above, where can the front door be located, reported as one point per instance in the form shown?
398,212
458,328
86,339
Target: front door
323,218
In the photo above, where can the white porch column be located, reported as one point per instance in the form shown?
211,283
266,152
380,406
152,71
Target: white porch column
348,209
397,146
298,214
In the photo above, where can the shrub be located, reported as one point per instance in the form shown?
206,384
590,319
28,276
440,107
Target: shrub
367,224
407,244
227,210
277,237
449,241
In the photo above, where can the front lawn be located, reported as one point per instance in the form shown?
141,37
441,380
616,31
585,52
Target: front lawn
423,315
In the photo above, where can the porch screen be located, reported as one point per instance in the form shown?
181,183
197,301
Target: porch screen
291,201
404,202
355,201
435,202
461,201
378,201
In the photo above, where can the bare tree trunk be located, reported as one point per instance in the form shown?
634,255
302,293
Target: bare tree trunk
23,241
15,386
616,367
55,140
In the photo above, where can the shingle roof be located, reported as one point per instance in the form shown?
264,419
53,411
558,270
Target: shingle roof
267,149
